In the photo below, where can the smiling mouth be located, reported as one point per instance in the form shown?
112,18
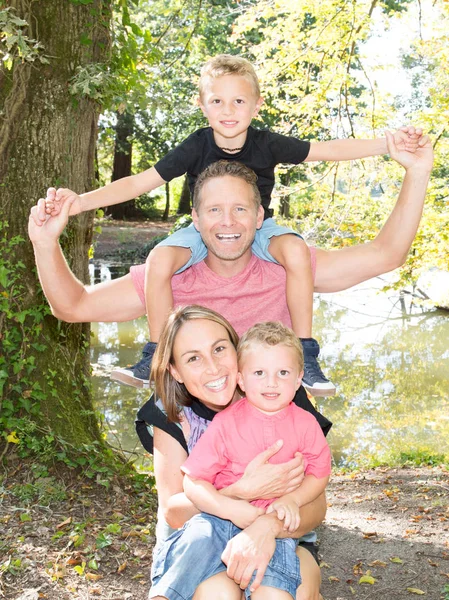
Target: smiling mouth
229,122
270,395
228,236
217,384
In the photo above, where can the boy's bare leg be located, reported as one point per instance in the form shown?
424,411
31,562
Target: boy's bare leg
294,255
269,593
310,576
220,587
161,264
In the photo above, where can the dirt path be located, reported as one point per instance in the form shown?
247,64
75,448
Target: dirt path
116,236
388,524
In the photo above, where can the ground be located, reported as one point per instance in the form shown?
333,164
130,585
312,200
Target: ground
65,537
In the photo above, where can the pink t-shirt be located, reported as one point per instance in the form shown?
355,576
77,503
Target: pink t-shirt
240,432
256,294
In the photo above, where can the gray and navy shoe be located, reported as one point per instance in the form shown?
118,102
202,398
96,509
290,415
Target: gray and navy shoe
137,375
314,380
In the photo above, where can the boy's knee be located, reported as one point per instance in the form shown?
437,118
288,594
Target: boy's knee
166,260
289,250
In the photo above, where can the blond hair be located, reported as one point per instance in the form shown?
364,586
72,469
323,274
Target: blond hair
226,64
270,333
222,168
173,394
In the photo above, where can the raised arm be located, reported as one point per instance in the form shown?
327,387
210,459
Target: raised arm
121,190
406,138
70,300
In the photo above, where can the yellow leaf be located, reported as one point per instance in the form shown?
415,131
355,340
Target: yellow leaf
396,559
377,563
367,579
416,591
12,438
122,567
333,578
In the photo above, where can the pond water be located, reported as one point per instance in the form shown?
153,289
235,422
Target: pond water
388,356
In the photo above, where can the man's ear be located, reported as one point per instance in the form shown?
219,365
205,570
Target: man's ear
260,216
195,219
174,373
240,381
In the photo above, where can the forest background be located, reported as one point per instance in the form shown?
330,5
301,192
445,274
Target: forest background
92,90
128,70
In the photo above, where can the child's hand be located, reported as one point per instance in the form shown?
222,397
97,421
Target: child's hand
56,198
287,510
245,514
408,138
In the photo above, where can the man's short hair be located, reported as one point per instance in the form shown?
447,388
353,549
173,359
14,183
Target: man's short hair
270,333
226,64
223,168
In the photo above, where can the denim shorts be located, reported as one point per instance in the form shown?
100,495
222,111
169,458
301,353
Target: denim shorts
189,237
193,554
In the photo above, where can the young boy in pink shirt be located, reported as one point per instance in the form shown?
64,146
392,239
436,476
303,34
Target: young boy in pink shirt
270,362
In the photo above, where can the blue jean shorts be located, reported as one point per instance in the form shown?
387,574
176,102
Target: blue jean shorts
193,554
189,237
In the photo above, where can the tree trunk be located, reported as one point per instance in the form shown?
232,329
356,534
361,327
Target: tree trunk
184,201
124,129
284,206
47,137
167,202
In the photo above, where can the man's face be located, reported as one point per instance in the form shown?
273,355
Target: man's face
227,218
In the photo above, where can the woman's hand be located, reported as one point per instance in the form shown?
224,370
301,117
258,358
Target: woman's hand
263,480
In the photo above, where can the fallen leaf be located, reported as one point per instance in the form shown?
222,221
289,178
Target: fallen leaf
12,438
122,567
64,523
377,563
416,591
367,579
369,534
433,563
396,559
93,577
332,578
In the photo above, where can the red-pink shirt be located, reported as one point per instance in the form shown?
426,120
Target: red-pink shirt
240,432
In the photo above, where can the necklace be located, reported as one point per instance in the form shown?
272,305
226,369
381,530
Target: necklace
231,149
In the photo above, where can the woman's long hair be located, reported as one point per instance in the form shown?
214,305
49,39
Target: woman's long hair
173,394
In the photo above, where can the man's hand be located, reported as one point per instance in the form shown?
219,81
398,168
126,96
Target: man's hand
56,198
42,228
263,480
421,159
249,551
408,138
287,510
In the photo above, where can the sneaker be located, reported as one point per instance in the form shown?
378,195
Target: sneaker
137,375
314,380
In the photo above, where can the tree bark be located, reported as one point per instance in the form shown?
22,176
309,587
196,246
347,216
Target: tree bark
167,202
184,201
47,137
284,205
124,130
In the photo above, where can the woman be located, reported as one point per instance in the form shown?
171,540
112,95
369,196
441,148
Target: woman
195,372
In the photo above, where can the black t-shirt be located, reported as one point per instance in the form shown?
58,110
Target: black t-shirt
263,150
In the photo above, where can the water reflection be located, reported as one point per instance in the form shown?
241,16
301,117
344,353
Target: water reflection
388,356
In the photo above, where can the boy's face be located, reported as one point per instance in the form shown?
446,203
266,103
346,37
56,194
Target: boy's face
269,376
229,104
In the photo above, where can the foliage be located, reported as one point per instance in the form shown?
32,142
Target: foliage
15,43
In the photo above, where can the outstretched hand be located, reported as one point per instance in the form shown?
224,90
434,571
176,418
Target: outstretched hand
57,197
43,228
421,158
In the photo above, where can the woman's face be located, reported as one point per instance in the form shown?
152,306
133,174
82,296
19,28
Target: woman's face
206,362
